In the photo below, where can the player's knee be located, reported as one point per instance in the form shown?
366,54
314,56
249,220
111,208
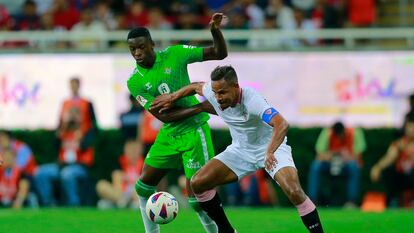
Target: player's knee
198,184
295,194
143,189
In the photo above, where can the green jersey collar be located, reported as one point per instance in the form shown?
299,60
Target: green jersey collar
157,59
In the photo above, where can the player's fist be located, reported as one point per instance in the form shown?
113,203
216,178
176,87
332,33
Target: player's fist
162,102
216,20
270,161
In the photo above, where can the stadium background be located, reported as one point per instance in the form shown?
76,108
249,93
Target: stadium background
365,45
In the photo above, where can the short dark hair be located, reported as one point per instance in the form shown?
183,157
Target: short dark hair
138,32
75,79
224,72
338,128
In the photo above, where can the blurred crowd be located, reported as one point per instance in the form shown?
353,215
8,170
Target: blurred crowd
67,181
105,15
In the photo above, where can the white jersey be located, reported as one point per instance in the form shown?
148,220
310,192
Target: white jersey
247,129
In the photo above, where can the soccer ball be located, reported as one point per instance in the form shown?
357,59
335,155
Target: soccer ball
162,207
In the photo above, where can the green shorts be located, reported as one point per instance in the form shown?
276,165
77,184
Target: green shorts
190,150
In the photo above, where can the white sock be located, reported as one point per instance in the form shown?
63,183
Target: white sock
150,227
208,224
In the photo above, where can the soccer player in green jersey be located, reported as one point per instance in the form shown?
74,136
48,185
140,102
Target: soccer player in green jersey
184,140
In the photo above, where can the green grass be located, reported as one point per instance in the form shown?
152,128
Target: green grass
245,220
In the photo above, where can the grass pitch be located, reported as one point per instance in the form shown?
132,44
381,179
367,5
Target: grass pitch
245,220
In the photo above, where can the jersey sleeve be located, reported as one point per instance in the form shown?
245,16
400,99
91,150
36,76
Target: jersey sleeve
187,53
207,91
258,106
141,95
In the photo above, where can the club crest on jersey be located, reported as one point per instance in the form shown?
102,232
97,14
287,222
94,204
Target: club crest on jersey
148,86
167,70
141,100
163,88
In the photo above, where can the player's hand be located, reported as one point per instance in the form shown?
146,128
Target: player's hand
216,19
270,160
1,160
375,173
162,102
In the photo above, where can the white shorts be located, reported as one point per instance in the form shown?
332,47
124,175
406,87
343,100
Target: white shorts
243,162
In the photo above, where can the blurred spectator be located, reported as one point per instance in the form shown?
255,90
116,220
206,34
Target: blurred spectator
362,13
137,15
64,14
401,154
216,5
338,152
149,128
243,192
284,15
43,6
47,24
89,25
157,20
121,191
82,4
12,6
326,15
306,25
304,5
77,130
131,119
4,18
187,19
28,18
237,20
104,15
24,159
256,43
163,5
13,189
254,13
253,190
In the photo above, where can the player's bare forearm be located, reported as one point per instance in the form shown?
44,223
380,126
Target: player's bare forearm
219,49
280,128
166,101
192,89
207,107
176,113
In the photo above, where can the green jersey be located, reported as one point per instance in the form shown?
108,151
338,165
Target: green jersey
167,75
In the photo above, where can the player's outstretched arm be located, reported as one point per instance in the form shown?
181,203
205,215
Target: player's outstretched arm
179,113
280,128
164,102
219,49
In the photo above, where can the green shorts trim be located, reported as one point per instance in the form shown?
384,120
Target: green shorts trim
190,150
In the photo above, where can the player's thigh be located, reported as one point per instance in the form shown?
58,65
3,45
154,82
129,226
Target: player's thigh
286,177
213,174
161,158
288,180
197,150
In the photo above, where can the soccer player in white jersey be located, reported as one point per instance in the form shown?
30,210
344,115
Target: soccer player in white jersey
259,140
